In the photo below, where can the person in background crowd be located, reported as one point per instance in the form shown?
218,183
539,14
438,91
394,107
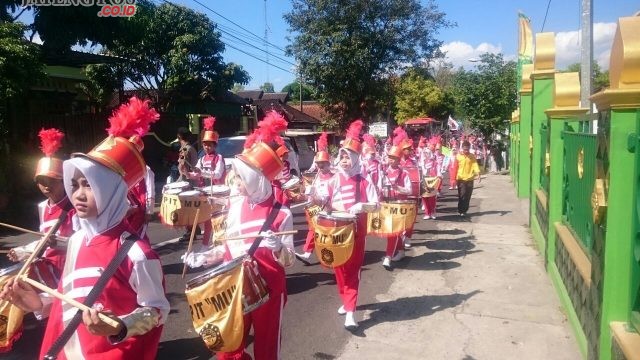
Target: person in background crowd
468,171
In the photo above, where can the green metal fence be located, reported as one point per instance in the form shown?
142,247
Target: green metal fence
544,159
578,181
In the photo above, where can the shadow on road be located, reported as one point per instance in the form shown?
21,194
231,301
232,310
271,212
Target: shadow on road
409,308
301,282
184,349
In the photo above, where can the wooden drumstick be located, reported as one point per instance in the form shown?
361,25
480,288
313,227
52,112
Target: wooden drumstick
41,244
193,234
253,235
109,321
61,238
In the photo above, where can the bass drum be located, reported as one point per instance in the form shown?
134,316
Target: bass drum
415,175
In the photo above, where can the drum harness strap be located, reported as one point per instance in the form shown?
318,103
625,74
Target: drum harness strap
92,297
267,223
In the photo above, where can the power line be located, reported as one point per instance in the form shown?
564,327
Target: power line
545,16
257,58
249,32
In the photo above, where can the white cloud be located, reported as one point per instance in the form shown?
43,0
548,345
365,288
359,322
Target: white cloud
460,53
567,48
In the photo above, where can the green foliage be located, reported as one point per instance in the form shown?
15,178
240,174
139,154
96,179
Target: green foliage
486,97
599,79
175,51
348,49
237,88
294,91
419,96
20,64
267,87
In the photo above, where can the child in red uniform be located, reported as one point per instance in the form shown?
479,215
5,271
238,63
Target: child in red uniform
134,295
347,192
396,186
254,170
319,189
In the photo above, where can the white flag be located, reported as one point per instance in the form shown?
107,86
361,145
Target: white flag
453,124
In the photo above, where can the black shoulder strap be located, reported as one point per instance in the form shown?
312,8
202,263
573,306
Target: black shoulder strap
267,223
92,296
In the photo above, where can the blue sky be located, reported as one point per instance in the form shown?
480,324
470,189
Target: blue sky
482,26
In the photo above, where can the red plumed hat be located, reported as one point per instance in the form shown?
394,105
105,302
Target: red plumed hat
50,143
209,133
259,152
352,138
323,148
119,152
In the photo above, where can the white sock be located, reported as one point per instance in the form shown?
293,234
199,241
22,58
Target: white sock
350,319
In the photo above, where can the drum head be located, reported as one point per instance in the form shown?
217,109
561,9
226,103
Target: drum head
339,215
173,191
209,274
11,269
190,193
291,182
177,185
219,189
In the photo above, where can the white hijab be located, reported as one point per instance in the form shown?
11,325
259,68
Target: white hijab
109,190
257,186
355,163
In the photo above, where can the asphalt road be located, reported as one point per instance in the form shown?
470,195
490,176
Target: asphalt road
312,328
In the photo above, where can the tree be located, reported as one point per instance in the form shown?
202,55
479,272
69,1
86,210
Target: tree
599,79
176,52
419,96
294,91
348,50
237,88
486,96
20,64
267,87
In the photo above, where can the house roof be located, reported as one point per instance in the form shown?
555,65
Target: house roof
77,58
292,114
250,94
314,110
282,96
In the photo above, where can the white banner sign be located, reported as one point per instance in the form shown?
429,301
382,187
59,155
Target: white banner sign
378,129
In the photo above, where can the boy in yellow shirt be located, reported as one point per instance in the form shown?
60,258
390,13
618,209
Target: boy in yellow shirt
468,170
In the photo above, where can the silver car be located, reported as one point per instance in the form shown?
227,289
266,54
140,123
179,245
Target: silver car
229,147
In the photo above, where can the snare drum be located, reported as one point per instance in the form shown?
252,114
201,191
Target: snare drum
176,187
334,236
219,297
180,209
11,315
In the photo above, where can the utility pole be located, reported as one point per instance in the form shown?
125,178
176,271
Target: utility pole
586,53
266,37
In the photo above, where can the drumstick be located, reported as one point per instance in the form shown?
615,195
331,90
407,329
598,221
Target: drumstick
5,251
253,235
193,234
109,321
42,242
61,238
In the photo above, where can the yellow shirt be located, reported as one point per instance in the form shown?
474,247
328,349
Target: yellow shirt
467,167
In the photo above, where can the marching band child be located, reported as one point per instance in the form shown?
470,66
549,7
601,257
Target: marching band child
97,183
141,197
430,170
396,186
318,189
370,164
254,170
348,191
408,160
210,168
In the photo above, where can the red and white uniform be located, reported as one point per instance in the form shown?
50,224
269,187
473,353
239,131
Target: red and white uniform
319,189
284,176
136,285
399,185
211,167
342,192
245,218
431,168
141,198
49,215
372,168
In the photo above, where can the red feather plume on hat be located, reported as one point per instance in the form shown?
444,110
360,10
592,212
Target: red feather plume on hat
399,135
50,141
209,122
369,140
323,143
354,129
251,139
132,118
271,126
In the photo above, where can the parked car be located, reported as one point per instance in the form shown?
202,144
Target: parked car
229,147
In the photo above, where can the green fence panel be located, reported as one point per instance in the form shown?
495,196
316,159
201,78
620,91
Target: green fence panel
579,178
